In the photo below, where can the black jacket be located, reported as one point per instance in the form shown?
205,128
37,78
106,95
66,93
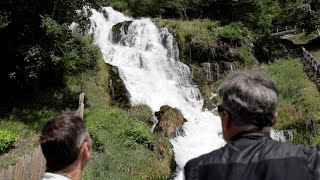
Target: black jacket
254,156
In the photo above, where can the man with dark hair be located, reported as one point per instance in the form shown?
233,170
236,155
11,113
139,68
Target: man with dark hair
248,112
66,145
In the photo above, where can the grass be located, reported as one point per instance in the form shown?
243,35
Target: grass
302,38
299,106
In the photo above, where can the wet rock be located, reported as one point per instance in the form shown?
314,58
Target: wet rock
119,30
105,14
118,92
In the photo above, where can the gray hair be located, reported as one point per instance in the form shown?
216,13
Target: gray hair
251,98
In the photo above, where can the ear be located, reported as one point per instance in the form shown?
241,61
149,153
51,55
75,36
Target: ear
276,114
226,125
227,120
85,150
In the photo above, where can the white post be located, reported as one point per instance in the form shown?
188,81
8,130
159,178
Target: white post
81,105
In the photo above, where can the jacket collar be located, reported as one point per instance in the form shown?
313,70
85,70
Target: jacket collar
249,135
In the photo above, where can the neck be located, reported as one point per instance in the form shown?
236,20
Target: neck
73,172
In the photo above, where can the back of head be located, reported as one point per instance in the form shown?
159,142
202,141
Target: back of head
61,139
251,98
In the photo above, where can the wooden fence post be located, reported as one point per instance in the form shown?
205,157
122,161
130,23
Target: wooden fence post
81,105
32,167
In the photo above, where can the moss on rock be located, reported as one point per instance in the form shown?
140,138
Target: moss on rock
170,121
142,112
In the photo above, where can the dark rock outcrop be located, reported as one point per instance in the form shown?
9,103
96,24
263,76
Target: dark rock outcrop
119,30
118,92
105,14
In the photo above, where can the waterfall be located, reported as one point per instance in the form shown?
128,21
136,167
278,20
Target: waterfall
207,70
282,135
148,62
231,66
155,121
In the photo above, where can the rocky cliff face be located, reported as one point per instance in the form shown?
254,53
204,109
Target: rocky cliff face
117,89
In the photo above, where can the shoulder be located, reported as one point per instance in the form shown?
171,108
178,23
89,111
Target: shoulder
193,165
211,157
308,154
296,150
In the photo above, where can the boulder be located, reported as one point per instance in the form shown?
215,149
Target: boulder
170,121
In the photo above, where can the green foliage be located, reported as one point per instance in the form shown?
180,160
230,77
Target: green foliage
289,88
233,33
305,14
97,144
145,7
7,139
125,141
299,105
120,5
244,57
138,133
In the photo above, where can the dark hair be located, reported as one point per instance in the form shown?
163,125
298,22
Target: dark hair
251,98
61,139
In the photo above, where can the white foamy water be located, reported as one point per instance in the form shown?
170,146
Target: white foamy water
148,61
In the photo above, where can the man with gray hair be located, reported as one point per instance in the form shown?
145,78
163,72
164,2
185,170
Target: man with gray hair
66,145
248,112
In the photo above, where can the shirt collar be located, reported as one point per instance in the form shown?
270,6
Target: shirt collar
53,176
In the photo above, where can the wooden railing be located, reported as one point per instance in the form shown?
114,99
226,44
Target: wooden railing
282,31
286,30
29,167
32,167
309,59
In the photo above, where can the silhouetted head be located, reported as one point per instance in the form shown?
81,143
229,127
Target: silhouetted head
249,102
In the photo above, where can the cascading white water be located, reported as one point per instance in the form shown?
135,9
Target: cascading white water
148,62
207,70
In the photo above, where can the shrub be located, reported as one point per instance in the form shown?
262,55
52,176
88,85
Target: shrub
138,133
289,88
7,140
244,57
232,33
